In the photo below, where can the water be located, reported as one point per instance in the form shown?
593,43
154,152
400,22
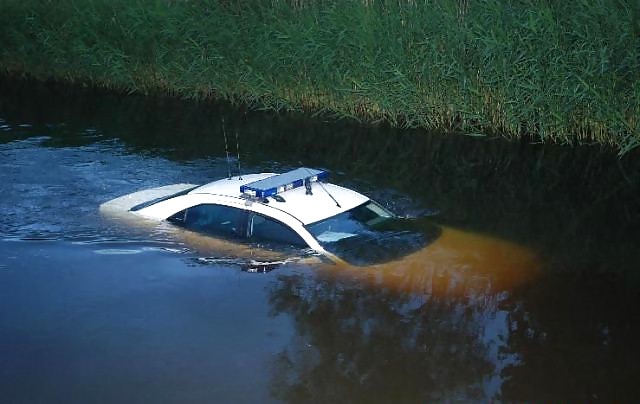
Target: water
79,326
95,311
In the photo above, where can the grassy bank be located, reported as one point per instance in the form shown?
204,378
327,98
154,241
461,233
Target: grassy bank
563,72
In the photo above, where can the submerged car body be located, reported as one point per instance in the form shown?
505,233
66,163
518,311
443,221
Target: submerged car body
262,214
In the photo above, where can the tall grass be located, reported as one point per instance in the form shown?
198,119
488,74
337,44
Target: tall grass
564,72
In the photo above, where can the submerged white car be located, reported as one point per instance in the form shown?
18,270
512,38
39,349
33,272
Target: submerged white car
292,209
297,209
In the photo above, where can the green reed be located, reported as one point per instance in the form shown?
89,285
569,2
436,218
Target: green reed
552,71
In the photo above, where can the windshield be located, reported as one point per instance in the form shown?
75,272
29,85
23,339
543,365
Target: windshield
369,234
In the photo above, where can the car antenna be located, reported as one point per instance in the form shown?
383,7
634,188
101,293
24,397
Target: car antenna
226,149
321,186
238,150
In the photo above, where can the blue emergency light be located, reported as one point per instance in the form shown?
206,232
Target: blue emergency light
282,182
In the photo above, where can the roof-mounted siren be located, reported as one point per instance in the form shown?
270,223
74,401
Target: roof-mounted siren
283,182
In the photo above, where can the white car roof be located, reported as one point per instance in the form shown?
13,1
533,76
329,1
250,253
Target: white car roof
306,208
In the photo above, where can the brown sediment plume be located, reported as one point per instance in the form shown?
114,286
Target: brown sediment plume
458,264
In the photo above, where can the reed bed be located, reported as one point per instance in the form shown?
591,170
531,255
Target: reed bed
566,72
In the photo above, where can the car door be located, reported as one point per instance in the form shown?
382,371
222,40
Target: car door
271,233
236,232
213,220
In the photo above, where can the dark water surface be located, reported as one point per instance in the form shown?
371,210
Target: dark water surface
94,312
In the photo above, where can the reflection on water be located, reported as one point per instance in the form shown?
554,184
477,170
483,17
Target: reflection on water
529,293
368,344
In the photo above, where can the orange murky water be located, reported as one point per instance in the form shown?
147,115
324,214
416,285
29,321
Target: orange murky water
458,263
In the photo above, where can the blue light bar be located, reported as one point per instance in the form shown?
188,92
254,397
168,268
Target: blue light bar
283,182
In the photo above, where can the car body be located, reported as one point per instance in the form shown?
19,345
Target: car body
265,215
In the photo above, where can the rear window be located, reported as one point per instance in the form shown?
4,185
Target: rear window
161,199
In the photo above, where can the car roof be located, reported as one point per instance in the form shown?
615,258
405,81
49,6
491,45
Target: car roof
306,208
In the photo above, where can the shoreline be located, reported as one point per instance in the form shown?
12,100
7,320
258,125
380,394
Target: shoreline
410,65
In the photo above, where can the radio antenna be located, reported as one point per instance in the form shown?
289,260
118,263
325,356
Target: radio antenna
226,149
307,183
238,150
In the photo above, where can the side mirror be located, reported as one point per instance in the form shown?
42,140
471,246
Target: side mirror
261,267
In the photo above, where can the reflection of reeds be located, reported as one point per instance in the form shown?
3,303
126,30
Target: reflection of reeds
553,71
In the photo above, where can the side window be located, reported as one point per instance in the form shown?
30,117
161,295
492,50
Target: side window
217,220
264,229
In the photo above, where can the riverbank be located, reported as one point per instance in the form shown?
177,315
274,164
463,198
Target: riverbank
565,73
